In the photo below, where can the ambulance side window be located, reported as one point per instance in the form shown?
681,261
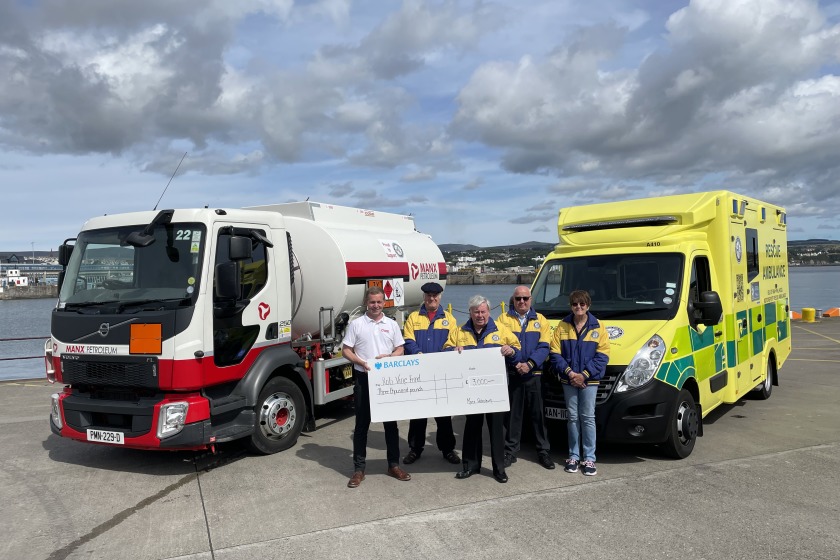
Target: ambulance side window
752,254
701,281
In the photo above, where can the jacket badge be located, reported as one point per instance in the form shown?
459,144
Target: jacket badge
495,338
594,335
536,324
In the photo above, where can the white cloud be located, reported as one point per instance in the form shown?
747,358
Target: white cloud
442,108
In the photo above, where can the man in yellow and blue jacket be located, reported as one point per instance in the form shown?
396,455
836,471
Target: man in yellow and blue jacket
525,378
425,331
480,331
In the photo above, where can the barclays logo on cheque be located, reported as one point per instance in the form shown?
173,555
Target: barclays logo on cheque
398,363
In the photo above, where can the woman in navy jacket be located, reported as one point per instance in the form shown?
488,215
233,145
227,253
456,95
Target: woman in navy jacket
580,350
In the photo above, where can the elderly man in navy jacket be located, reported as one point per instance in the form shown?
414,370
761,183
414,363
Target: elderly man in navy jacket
525,379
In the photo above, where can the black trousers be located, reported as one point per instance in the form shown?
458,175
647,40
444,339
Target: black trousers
525,398
473,445
360,433
445,438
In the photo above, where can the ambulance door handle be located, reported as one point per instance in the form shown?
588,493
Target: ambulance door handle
718,333
744,324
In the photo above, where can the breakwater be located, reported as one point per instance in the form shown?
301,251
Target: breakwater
29,292
490,278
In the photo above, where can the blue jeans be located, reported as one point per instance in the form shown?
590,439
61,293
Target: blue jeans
581,406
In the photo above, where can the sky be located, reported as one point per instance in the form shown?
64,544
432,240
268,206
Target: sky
479,118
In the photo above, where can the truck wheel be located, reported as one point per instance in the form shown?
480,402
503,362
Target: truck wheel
684,426
763,391
280,415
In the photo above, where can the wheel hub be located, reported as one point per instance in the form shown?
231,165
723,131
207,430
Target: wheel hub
686,423
277,415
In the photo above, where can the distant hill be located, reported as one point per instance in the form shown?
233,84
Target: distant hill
457,247
813,242
528,245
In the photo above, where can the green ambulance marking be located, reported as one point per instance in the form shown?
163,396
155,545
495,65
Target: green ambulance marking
698,351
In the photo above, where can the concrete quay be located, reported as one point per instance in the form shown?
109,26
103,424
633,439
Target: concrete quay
763,483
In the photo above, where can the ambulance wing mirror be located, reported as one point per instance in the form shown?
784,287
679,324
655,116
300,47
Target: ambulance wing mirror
708,311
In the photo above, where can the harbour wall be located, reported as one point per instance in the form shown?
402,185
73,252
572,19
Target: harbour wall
29,292
490,278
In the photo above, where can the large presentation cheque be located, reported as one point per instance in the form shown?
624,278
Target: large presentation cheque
439,384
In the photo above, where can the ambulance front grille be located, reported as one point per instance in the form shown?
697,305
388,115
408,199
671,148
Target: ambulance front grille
553,389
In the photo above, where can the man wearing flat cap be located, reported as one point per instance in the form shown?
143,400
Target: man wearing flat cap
426,331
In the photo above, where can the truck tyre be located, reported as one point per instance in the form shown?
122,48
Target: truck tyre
280,416
684,427
763,391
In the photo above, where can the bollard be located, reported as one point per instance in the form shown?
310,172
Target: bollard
808,314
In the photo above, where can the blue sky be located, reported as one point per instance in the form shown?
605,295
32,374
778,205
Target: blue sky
481,119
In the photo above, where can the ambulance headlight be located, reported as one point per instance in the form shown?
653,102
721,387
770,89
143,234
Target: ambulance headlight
55,411
171,419
643,366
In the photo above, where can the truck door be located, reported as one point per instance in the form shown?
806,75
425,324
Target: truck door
239,331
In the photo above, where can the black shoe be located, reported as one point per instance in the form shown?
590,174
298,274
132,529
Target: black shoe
500,477
544,460
452,457
466,473
510,459
410,457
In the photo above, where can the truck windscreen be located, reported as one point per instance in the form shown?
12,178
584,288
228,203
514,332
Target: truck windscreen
628,286
105,271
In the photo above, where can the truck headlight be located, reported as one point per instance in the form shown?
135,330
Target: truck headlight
55,411
643,366
171,419
48,360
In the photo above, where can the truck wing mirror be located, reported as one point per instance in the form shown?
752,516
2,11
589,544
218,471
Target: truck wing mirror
227,281
240,248
64,252
709,310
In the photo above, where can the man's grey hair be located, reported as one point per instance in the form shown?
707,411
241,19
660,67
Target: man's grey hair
477,300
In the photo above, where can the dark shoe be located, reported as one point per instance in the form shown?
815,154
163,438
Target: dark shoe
571,465
452,457
544,460
500,476
410,457
510,459
356,479
398,473
466,473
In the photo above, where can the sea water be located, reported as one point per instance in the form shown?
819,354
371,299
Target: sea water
815,287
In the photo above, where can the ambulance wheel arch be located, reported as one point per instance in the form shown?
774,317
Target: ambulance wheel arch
280,415
765,389
685,422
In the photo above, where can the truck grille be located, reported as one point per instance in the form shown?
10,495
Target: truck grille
124,371
553,389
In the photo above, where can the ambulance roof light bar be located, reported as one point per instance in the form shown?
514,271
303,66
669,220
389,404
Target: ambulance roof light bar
624,223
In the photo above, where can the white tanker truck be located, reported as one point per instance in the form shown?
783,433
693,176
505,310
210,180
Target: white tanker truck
180,329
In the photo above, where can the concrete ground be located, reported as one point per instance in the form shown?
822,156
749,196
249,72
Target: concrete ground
763,483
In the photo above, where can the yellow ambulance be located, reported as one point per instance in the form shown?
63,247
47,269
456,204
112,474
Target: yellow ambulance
693,291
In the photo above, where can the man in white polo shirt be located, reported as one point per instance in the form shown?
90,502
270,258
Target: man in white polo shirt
372,336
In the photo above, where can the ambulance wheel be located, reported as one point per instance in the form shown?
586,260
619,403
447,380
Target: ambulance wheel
280,415
684,427
764,390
